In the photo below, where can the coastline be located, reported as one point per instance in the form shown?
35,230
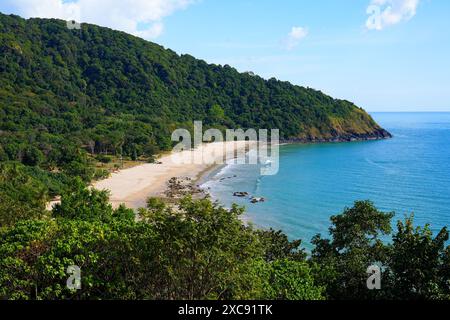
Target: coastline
133,186
379,134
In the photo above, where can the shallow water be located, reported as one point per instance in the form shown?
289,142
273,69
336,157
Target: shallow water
407,174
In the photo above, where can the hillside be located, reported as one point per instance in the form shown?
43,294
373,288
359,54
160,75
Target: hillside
66,95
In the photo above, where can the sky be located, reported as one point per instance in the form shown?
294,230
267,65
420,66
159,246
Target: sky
383,55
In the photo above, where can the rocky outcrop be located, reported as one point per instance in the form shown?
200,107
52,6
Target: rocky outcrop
241,194
179,187
257,199
377,134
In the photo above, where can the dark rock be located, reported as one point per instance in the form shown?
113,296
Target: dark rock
377,134
257,199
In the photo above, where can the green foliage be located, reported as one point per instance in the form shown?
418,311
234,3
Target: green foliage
103,159
355,244
195,251
419,265
21,195
216,114
205,249
290,280
199,250
100,174
87,204
65,95
278,246
110,93
416,265
68,97
32,156
34,257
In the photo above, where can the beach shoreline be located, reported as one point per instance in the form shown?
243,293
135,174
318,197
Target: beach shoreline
133,186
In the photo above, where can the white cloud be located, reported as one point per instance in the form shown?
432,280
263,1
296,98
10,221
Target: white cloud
294,37
384,13
143,18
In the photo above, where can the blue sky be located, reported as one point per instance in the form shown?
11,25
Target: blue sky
400,63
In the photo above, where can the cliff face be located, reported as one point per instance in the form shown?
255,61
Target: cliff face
95,85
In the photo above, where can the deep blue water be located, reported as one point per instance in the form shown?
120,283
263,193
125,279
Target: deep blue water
407,174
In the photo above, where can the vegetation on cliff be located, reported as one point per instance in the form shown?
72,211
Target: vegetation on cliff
72,98
108,92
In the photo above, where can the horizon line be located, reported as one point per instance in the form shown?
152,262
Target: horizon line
410,111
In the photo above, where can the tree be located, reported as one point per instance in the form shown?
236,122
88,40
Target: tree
86,204
355,244
3,154
21,195
278,246
418,267
115,259
216,114
205,249
32,156
290,280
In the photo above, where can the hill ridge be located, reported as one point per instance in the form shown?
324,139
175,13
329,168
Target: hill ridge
109,92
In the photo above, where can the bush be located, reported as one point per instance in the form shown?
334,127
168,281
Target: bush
103,158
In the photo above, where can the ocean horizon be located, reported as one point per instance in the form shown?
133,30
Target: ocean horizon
408,174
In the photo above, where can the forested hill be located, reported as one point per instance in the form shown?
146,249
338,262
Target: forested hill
104,91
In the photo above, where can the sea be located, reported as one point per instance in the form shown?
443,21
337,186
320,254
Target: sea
408,174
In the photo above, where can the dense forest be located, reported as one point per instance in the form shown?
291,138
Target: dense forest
199,250
67,96
70,99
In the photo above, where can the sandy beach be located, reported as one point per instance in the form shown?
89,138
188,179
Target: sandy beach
133,186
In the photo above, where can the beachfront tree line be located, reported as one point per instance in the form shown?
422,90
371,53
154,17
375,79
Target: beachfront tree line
201,250
70,98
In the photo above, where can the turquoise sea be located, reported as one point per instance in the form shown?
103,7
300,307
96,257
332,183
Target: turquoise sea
407,174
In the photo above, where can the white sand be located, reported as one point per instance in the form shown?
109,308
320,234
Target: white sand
133,186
